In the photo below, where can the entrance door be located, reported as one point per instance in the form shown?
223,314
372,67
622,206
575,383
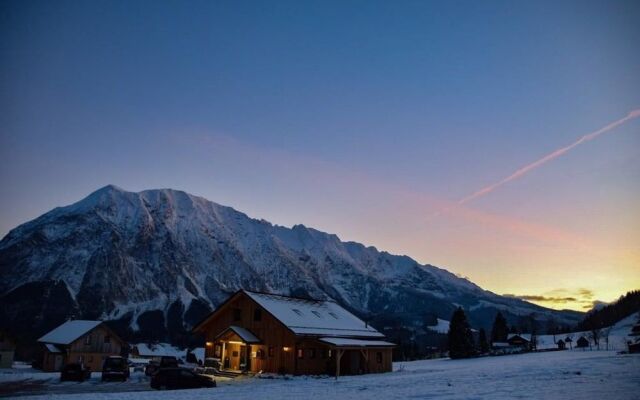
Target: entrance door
57,365
235,355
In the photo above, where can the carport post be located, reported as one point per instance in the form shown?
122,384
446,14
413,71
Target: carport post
338,357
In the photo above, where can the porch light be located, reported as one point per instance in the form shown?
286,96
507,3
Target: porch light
286,348
209,344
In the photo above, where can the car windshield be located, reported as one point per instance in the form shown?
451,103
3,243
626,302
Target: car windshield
114,362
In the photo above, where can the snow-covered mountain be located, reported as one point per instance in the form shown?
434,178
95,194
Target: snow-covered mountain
157,261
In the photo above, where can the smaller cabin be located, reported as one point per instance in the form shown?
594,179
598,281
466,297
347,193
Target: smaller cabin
7,349
561,344
582,342
520,340
87,343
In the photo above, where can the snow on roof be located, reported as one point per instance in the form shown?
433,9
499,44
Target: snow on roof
134,360
525,336
313,317
69,331
159,350
342,342
244,334
52,348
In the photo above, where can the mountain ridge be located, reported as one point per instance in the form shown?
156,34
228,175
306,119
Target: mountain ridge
157,260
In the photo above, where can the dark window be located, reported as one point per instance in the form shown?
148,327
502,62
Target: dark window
300,353
272,351
87,339
235,354
237,314
311,353
379,357
257,314
107,339
260,354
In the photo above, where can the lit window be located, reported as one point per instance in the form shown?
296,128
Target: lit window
300,353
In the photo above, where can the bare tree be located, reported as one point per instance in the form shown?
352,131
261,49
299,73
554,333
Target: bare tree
569,339
595,335
604,333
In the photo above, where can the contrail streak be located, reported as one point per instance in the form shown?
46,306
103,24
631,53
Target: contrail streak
527,168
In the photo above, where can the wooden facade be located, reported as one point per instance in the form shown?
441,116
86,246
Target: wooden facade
90,349
279,349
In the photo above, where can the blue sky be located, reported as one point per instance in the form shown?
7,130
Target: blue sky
361,118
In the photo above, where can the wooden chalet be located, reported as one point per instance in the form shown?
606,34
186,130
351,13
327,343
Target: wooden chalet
259,332
582,342
521,340
83,342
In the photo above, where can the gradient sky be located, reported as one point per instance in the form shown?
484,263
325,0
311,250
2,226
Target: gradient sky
366,119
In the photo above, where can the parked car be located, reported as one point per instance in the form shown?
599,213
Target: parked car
115,368
211,366
165,362
180,378
75,372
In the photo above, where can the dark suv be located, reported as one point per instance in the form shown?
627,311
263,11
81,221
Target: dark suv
180,378
165,362
75,372
115,368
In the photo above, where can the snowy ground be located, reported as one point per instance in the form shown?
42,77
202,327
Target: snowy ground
549,375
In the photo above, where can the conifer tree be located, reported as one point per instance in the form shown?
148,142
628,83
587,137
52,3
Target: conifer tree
499,331
460,337
482,342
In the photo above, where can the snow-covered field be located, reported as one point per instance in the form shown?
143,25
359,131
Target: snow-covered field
548,375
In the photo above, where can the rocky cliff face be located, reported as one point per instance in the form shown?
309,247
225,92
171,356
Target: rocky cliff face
159,260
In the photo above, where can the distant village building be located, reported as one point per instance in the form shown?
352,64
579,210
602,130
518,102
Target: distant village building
7,350
155,351
561,344
83,342
255,332
520,340
582,342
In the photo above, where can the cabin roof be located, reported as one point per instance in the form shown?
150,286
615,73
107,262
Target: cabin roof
69,331
243,333
313,317
525,336
158,350
344,342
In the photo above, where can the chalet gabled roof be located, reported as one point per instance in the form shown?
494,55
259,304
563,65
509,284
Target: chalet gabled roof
313,317
69,331
243,333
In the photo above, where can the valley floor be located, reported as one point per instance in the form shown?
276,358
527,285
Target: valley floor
551,375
